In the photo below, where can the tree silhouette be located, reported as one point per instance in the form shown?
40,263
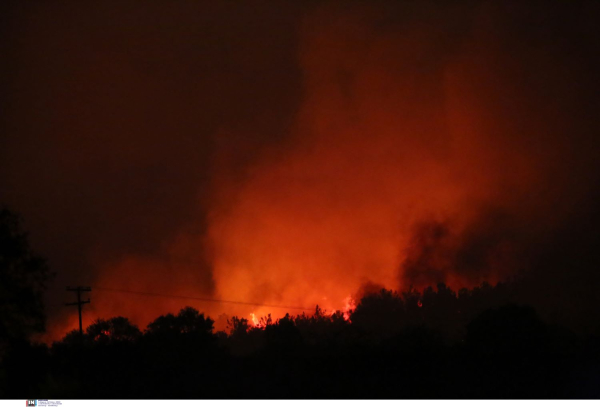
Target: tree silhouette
237,326
283,335
440,309
409,345
23,278
112,330
187,321
381,313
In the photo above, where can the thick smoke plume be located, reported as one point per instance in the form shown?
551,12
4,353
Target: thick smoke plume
296,156
433,144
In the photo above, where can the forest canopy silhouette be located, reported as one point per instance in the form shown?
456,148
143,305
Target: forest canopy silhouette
480,342
477,343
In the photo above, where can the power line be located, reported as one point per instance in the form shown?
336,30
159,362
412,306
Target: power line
79,303
199,298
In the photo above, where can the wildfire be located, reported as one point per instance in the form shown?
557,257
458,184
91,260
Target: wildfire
254,319
349,307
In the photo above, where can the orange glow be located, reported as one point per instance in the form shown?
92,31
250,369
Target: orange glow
400,169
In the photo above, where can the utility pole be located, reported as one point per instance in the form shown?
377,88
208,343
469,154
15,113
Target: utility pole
79,303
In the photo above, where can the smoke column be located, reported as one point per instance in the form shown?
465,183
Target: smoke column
432,145
417,144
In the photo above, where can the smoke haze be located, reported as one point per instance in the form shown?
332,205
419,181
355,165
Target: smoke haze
294,155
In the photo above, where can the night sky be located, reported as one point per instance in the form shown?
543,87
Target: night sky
294,153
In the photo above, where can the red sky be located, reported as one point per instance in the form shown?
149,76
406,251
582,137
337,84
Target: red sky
290,154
